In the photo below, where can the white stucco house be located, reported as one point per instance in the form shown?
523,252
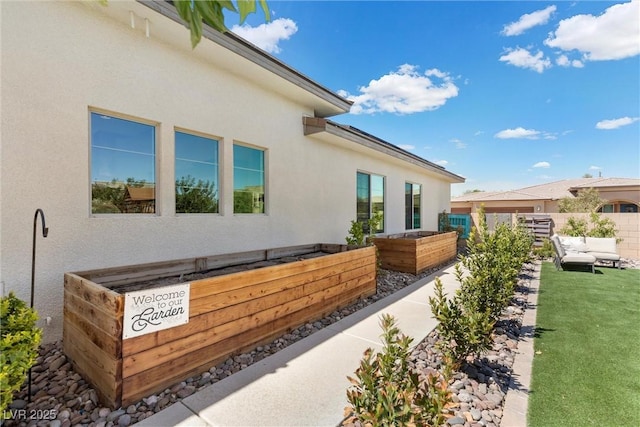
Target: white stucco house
105,108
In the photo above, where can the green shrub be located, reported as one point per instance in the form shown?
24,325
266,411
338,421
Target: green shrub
19,343
444,224
461,332
493,263
546,250
600,227
487,276
357,235
387,392
574,227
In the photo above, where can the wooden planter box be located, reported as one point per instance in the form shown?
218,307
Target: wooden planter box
228,314
417,251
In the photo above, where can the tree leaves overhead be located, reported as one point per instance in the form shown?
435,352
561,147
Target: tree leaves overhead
194,13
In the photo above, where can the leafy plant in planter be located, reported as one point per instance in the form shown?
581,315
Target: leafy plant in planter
19,341
357,236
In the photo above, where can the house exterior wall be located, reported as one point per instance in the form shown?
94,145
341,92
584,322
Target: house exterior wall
61,60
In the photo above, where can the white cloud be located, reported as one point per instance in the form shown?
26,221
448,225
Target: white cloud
518,133
267,36
407,147
616,123
544,165
594,168
459,143
520,57
405,91
611,35
441,162
564,61
528,21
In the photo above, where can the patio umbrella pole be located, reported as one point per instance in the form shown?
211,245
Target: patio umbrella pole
45,231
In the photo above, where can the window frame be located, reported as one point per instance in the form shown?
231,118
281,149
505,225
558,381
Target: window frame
370,202
156,161
219,176
411,207
265,182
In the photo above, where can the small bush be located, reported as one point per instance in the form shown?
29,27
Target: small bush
19,343
357,236
461,332
387,392
600,227
546,250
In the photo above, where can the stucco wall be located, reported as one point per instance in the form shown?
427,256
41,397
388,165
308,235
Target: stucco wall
59,60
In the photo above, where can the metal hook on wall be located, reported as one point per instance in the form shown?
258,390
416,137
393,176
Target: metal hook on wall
45,232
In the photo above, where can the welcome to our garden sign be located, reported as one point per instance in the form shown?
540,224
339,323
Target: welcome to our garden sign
155,309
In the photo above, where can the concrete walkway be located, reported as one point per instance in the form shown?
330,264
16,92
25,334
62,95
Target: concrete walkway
305,384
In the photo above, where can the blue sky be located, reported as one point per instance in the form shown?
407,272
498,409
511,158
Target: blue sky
507,94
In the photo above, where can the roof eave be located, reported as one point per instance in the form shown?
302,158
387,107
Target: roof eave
261,58
314,125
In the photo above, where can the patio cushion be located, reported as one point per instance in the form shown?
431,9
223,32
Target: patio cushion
607,256
578,258
573,244
601,244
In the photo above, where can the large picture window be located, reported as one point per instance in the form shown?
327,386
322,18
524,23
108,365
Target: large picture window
369,199
248,180
411,206
196,174
123,165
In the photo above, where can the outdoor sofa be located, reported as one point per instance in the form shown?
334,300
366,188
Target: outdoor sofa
584,251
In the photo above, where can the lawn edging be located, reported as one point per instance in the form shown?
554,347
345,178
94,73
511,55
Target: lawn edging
516,401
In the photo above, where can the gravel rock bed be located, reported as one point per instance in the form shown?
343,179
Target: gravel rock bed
61,398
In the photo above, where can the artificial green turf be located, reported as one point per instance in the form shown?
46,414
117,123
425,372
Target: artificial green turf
586,370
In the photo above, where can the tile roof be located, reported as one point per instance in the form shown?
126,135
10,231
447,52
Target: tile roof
549,191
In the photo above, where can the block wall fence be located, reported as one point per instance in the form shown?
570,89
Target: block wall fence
627,224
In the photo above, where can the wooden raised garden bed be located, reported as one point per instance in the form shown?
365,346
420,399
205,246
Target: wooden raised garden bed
417,251
236,302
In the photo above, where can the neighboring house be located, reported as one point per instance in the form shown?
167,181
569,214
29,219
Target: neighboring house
94,95
622,195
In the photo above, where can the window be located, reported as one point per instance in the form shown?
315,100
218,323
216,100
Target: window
628,208
196,174
248,180
123,167
369,199
411,206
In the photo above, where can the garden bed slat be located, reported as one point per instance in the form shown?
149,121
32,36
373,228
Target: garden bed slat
157,377
107,300
99,318
91,362
220,284
242,293
138,362
108,342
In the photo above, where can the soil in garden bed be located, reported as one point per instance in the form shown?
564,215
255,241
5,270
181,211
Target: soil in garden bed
184,278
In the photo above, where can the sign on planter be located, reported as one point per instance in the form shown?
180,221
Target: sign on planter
155,309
